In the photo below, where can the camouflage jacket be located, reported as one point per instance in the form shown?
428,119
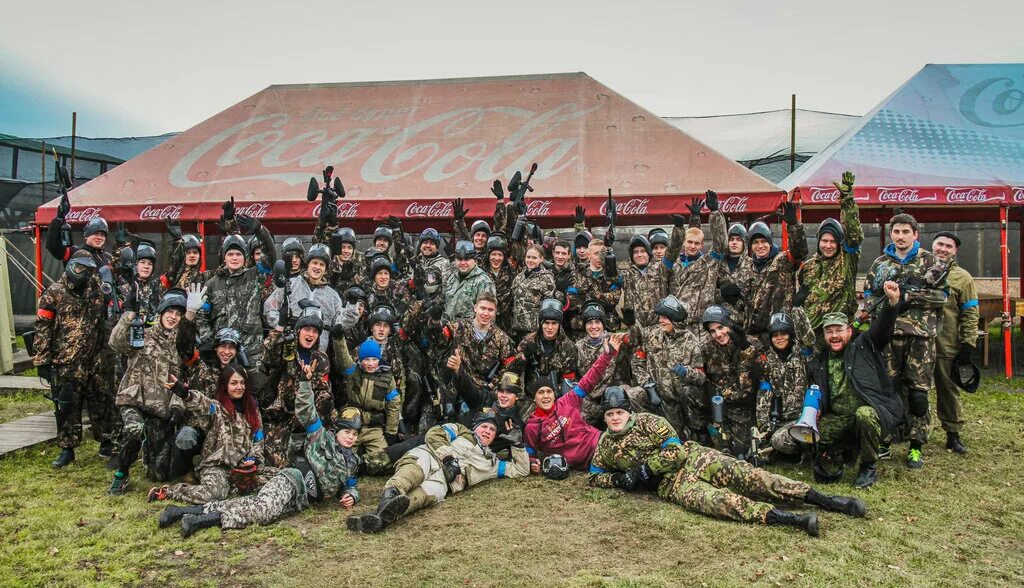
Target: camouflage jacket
461,292
959,323
202,377
303,287
646,439
558,357
784,375
772,287
148,294
656,352
503,291
234,300
345,274
832,281
277,393
179,275
695,281
736,269
422,263
150,366
616,374
394,295
335,466
642,289
68,328
730,371
530,288
594,285
375,394
923,279
480,356
229,438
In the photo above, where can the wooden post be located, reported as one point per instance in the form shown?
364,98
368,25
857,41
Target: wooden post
39,262
792,137
1004,253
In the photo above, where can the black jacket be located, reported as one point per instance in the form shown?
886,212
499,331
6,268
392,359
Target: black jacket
866,370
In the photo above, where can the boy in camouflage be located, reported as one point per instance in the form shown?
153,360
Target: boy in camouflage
643,452
372,390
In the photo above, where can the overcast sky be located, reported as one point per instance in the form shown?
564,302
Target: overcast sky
141,68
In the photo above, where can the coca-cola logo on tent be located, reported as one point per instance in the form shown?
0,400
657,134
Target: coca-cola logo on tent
346,209
430,210
734,204
1017,194
903,196
969,196
254,210
83,215
994,102
824,195
631,207
169,212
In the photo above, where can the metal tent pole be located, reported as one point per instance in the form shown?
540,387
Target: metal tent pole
1003,251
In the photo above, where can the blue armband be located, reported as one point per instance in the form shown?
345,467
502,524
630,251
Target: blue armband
393,395
206,307
351,482
969,304
596,470
351,370
571,291
450,431
502,465
671,441
314,427
716,255
851,250
765,386
213,409
258,435
531,451
579,391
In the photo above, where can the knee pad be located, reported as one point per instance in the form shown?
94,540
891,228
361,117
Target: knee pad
187,439
917,400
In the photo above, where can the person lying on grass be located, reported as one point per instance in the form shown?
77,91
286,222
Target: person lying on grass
642,452
326,468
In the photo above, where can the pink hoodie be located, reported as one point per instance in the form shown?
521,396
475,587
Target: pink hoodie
562,430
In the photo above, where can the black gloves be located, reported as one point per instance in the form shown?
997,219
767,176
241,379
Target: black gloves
531,350
625,480
731,293
131,300
180,389
679,220
497,191
739,337
45,372
451,467
801,296
64,207
964,355
646,478
348,271
435,312
711,200
581,214
789,212
174,229
121,236
177,416
229,209
394,222
695,205
458,209
392,438
247,225
611,267
628,317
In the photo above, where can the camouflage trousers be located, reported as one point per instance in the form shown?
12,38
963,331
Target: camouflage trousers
155,437
948,405
275,499
214,484
722,487
911,362
735,434
70,396
783,442
840,431
419,476
278,444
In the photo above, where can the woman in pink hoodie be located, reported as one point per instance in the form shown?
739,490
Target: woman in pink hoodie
556,426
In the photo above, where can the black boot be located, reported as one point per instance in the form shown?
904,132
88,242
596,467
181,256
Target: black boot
389,493
173,513
954,444
106,448
367,523
867,475
808,522
66,456
847,505
191,523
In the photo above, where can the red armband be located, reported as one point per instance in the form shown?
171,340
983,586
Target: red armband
640,354
192,360
571,376
508,360
46,314
165,281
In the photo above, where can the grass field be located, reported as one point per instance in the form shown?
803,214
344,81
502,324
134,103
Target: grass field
959,521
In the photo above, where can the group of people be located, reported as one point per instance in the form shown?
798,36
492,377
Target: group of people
273,381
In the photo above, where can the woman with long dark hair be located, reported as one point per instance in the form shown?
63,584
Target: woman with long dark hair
233,448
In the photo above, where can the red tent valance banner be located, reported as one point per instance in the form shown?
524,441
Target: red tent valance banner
409,148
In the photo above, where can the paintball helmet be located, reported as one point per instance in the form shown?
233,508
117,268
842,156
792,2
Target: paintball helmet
379,263
550,310
384,232
318,251
497,242
173,298
355,294
350,418
383,313
292,245
758,230
827,473
429,234
781,321
510,382
227,335
79,269
145,251
966,376
738,230
432,279
716,314
478,226
593,311
234,242
582,240
671,308
639,241
96,225
465,250
831,225
657,236
486,415
555,467
309,315
190,242
615,397
341,236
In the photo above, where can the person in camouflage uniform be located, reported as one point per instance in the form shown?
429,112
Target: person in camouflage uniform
732,372
956,338
185,262
694,273
566,284
774,282
310,284
452,459
595,283
643,452
780,395
233,448
545,354
281,367
859,406
422,352
911,352
234,293
465,284
737,267
502,274
589,347
480,230
830,275
326,468
372,389
348,265
667,357
479,350
383,289
145,290
645,282
149,411
428,256
68,328
534,284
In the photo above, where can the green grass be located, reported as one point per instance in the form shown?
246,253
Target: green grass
959,521
22,404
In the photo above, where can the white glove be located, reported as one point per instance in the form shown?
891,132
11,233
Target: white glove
348,317
196,297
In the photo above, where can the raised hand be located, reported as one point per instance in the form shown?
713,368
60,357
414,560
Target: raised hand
845,186
695,206
174,229
711,199
497,190
789,212
581,214
459,209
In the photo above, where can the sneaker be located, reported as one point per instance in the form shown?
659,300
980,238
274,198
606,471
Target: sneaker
884,452
119,487
867,476
914,459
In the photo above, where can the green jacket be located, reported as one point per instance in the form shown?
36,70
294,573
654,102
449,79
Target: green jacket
958,322
335,466
924,283
833,281
646,439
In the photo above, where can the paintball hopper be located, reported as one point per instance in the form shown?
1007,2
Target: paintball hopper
332,190
717,410
805,430
280,273
65,178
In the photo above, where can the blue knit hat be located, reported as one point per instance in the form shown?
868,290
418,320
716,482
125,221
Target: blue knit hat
369,348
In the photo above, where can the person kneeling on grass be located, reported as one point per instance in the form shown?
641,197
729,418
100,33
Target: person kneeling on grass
642,452
452,459
556,426
326,468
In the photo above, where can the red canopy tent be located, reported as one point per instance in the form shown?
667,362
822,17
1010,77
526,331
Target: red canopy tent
409,148
947,146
